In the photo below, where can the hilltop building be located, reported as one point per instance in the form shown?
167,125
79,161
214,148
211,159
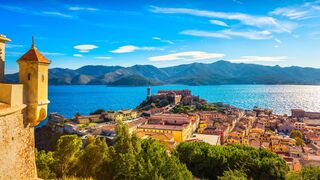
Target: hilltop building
300,113
22,106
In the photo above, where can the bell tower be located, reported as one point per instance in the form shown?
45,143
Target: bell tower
33,74
3,40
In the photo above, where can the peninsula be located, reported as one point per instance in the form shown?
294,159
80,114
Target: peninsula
175,116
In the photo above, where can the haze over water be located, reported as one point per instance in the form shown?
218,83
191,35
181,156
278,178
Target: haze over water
67,100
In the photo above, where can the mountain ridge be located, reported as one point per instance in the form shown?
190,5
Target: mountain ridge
220,72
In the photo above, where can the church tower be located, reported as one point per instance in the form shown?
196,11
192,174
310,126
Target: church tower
3,40
33,74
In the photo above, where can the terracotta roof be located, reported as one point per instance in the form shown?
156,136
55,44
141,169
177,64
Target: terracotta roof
33,55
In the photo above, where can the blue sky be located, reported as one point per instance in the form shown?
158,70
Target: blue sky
74,33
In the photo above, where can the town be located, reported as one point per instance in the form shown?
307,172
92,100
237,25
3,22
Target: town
174,116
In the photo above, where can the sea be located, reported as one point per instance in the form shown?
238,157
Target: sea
68,100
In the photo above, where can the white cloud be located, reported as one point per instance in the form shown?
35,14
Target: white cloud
263,22
34,12
278,40
78,55
290,13
85,47
187,56
205,34
253,35
228,34
259,59
131,48
77,8
59,14
238,2
302,11
52,54
219,23
163,40
103,57
13,46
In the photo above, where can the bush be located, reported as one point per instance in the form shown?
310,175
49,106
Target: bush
209,162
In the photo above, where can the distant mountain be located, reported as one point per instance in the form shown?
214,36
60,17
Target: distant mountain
220,72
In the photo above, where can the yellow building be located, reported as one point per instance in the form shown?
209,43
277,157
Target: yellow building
123,115
180,133
165,138
33,74
236,137
22,106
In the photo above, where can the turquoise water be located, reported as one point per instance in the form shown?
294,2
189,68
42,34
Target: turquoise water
67,100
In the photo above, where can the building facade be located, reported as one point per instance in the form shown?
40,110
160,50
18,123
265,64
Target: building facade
22,106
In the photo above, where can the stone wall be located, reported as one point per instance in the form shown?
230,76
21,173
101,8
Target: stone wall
17,158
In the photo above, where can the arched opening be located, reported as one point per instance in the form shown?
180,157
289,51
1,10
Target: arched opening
42,114
29,76
42,78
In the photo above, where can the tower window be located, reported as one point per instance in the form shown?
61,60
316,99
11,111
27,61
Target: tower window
29,76
42,78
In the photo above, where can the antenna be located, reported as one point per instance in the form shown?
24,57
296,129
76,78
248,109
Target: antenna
33,41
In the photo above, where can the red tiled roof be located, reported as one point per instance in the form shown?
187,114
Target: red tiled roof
33,55
162,127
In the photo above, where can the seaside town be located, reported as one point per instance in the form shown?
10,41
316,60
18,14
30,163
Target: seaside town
174,116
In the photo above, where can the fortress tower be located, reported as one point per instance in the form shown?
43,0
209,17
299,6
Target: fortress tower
3,40
33,74
22,106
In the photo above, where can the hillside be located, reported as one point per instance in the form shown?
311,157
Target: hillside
220,72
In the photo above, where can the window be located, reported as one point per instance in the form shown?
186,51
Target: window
42,78
29,76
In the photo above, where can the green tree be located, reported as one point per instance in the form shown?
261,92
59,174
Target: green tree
98,111
158,163
307,173
66,154
91,158
45,162
295,134
124,163
207,161
233,175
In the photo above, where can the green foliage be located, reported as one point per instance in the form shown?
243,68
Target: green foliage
128,158
207,161
208,107
154,102
307,173
233,175
196,107
295,134
183,109
98,111
45,162
94,154
159,164
66,154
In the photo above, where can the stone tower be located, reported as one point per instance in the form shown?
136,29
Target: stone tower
3,40
33,74
22,106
